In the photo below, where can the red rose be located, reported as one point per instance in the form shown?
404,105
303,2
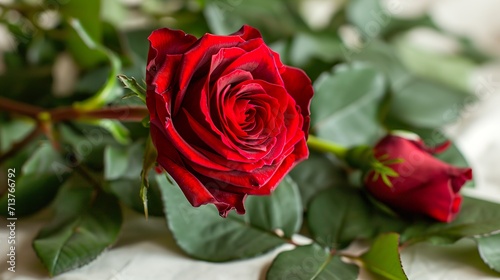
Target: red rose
227,117
425,184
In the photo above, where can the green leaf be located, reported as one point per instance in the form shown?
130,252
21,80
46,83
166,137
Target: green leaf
374,20
108,92
114,12
86,12
346,103
40,161
218,19
13,131
310,262
131,166
85,224
350,216
281,210
489,249
317,173
452,70
382,57
123,170
368,16
281,18
128,191
410,103
119,132
38,181
137,43
476,217
116,160
86,143
347,219
383,258
203,234
410,94
306,46
138,47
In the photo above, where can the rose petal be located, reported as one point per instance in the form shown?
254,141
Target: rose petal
254,179
197,58
425,184
260,62
441,207
188,151
299,86
221,60
459,176
300,153
226,201
165,75
166,41
417,166
247,32
214,142
192,188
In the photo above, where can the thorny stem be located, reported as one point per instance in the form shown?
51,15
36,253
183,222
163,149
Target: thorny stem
20,108
45,118
124,113
129,113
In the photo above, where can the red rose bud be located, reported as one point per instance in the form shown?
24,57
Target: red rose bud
423,184
227,117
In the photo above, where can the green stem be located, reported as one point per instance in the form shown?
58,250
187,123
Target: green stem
326,146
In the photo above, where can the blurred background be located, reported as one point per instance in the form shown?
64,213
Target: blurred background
447,41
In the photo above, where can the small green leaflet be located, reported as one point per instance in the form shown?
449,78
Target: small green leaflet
310,262
38,180
489,249
477,217
346,105
85,224
350,216
383,258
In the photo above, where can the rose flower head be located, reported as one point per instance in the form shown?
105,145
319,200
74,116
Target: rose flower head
421,183
227,117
